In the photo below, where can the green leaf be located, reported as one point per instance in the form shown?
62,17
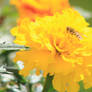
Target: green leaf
48,87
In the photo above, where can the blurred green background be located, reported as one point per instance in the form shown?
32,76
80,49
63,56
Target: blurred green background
84,7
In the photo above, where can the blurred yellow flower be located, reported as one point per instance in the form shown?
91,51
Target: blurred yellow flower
60,45
33,8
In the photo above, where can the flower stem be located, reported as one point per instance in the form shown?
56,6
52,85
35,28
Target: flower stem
48,87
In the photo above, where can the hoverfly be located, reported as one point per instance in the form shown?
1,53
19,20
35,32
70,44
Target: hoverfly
73,32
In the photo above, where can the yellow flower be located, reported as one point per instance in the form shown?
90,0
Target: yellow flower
60,45
34,8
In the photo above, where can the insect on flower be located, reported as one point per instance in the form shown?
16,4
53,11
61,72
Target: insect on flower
73,32
65,50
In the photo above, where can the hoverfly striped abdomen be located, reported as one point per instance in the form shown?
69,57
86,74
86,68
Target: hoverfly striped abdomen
73,32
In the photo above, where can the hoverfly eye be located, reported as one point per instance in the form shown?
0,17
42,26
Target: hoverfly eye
68,28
